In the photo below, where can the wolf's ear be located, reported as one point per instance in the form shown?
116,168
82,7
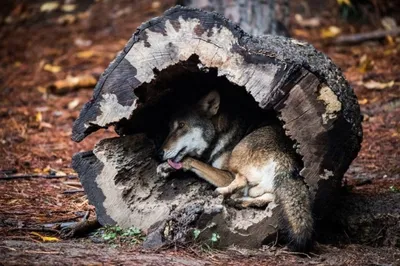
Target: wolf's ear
209,104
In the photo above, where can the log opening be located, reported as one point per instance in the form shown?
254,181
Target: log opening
182,85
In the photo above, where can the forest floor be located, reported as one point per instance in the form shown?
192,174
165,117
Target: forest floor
39,48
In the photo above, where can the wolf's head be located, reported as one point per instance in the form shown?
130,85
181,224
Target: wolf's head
191,130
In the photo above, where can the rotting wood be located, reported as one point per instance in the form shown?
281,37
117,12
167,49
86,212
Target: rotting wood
137,92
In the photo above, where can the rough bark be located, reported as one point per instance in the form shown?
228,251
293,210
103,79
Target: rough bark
255,17
171,60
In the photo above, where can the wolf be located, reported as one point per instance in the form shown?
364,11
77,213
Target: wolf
219,141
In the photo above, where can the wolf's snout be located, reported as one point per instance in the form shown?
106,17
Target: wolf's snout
160,154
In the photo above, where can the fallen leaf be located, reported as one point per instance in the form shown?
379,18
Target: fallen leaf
37,170
155,5
47,169
365,64
66,19
49,6
45,125
73,104
51,68
389,23
85,54
363,101
38,117
45,238
42,109
330,32
68,7
82,43
307,22
42,89
344,2
59,173
390,51
375,85
390,40
65,85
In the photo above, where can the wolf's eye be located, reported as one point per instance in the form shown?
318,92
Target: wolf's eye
181,125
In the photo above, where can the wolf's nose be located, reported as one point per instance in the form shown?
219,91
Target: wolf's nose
160,154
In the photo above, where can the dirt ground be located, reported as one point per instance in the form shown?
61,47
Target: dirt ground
39,48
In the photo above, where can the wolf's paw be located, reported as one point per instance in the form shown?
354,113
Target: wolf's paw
239,203
222,191
187,164
256,191
164,170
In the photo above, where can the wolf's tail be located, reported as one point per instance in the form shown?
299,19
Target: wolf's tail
296,211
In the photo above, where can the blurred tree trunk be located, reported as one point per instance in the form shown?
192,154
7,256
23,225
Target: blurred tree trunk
256,17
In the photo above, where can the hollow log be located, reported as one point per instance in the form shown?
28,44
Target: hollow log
172,60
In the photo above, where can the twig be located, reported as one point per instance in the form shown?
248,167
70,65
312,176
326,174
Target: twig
12,249
367,36
12,177
41,252
8,171
60,224
73,183
71,191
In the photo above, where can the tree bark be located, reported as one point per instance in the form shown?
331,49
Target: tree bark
255,17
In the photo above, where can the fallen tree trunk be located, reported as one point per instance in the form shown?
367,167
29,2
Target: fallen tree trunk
254,17
172,60
365,36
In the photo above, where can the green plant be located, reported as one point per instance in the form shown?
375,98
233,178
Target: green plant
394,189
116,235
207,245
196,233
214,238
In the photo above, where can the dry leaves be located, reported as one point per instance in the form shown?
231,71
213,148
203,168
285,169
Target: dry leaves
375,85
307,22
70,83
366,64
85,54
66,19
68,8
49,6
330,32
45,238
344,2
363,101
73,104
52,68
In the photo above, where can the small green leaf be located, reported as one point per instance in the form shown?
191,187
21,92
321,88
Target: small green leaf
196,233
214,237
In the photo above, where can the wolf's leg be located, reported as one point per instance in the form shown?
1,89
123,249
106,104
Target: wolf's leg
260,201
217,177
239,182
